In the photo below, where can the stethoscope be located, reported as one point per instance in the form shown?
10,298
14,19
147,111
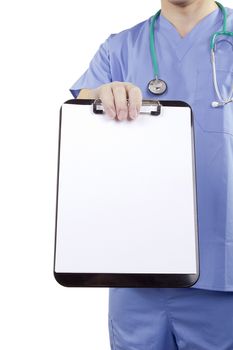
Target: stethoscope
158,86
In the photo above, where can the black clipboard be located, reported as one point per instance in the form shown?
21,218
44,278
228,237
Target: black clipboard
126,209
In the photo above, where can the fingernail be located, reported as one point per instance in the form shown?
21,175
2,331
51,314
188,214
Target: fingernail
110,112
121,115
133,113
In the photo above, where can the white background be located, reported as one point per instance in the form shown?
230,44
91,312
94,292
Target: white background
45,46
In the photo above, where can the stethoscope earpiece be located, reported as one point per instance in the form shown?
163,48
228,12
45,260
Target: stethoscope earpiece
215,104
222,103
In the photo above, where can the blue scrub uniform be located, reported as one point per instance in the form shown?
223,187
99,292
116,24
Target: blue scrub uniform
200,317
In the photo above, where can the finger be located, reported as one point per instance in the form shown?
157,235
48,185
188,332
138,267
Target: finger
135,100
120,98
107,98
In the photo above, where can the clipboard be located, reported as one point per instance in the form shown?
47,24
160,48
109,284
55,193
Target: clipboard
126,209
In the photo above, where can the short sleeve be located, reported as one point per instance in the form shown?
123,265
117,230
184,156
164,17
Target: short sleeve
98,72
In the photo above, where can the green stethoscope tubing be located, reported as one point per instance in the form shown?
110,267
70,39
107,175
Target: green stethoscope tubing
212,41
224,27
152,44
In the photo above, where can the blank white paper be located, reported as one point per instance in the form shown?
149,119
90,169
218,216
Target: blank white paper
126,197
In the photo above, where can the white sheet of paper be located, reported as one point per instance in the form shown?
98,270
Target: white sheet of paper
126,193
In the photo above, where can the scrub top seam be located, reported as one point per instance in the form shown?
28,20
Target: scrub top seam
218,132
170,318
212,132
205,287
112,331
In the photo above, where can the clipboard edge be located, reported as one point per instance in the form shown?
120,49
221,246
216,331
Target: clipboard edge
131,280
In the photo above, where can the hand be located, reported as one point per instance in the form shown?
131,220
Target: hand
113,96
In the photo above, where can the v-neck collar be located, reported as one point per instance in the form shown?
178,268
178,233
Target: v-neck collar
181,44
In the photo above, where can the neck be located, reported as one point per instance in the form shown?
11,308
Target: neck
184,15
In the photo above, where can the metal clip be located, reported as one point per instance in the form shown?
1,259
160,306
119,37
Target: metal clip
153,107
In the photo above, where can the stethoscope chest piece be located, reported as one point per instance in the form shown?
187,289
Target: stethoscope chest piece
157,86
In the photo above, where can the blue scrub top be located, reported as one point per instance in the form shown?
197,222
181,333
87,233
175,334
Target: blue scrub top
184,63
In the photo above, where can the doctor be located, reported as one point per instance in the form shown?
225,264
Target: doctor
199,317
